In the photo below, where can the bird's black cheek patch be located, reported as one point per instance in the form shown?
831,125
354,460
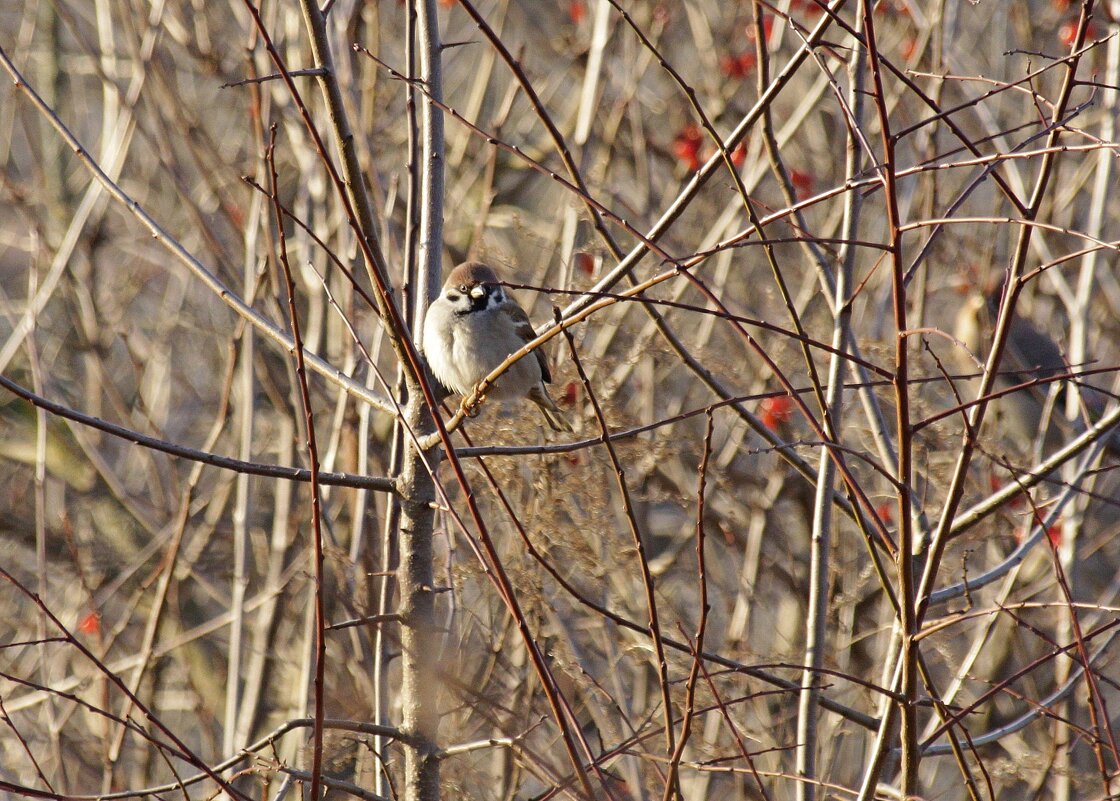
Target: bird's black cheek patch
480,302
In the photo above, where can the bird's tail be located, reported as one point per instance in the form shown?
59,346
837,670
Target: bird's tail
552,414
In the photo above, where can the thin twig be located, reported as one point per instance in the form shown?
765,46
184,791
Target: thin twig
672,784
224,462
313,461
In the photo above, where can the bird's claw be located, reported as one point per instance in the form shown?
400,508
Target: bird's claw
472,404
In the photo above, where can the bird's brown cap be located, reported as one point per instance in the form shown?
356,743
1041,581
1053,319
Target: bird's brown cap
471,273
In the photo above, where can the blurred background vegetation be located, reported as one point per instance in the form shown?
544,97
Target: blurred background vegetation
176,575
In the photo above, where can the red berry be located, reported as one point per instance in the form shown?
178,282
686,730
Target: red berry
733,66
802,183
738,66
776,410
577,10
767,28
90,623
686,147
739,154
1067,34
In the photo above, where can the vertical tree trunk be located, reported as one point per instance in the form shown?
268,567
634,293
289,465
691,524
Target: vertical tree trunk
419,642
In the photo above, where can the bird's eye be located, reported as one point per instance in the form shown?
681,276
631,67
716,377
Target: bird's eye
462,287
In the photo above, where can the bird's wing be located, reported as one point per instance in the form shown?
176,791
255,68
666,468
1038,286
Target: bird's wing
1030,354
1031,351
524,331
1034,352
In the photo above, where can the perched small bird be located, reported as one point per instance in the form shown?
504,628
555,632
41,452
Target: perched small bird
1030,355
472,327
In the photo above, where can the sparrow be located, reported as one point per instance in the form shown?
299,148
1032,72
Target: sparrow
472,327
1030,356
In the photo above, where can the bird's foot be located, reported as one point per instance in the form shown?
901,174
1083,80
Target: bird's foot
472,404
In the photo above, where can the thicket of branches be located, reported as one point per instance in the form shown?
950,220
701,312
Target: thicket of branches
810,538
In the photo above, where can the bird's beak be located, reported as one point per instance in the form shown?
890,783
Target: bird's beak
478,291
